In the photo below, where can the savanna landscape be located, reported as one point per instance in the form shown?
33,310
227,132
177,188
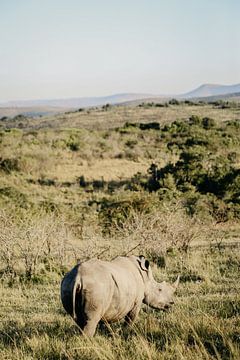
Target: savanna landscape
157,179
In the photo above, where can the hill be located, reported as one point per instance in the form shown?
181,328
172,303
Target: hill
207,90
77,102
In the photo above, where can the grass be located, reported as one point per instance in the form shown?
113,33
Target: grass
204,323
70,189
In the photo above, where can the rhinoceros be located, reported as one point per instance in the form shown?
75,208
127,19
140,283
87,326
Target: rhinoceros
110,291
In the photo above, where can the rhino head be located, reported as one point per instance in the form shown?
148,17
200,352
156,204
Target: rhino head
157,295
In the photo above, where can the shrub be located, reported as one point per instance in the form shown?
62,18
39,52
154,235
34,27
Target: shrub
152,125
194,173
174,102
82,181
74,146
195,120
106,107
114,212
28,245
46,182
131,143
9,165
208,123
161,230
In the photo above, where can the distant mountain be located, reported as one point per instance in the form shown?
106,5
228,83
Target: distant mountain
53,106
207,90
77,102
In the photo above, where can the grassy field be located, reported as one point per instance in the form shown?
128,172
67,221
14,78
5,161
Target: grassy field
79,185
204,323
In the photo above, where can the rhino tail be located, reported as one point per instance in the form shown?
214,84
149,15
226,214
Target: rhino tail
76,288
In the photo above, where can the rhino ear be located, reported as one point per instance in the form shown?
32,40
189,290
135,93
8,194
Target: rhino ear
144,263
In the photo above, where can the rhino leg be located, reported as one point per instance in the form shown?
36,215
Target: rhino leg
90,317
89,328
132,315
88,324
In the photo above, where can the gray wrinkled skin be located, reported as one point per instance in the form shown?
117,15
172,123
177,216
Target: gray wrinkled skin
110,291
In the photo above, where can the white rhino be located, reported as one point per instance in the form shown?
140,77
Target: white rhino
109,291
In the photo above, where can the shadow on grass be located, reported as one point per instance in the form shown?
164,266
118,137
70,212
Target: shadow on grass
14,334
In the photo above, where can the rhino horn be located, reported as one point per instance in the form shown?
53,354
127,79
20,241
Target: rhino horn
175,284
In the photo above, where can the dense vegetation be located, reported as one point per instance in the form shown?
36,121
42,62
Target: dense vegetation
165,182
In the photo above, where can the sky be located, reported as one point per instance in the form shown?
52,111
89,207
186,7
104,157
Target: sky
80,48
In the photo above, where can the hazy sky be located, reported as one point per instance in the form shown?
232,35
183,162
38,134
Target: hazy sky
71,48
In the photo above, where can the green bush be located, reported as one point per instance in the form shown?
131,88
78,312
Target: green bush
195,173
208,123
113,212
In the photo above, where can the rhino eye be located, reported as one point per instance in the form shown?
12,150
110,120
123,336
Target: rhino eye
160,290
